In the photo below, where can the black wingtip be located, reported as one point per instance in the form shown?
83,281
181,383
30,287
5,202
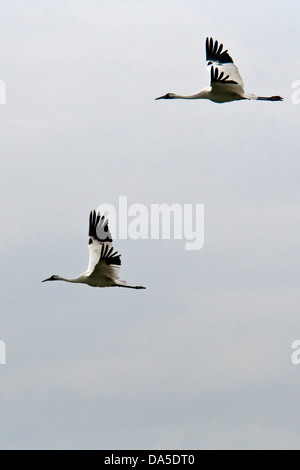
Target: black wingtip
109,257
98,228
216,77
215,53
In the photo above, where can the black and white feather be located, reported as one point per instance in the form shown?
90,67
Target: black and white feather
216,76
216,54
100,250
221,67
98,228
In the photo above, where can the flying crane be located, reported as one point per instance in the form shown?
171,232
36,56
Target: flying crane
226,84
104,262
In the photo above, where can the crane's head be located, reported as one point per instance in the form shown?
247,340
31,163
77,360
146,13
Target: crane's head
52,278
168,96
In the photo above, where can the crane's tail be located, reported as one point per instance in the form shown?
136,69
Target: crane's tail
263,98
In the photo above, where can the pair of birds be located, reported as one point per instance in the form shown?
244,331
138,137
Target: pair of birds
226,85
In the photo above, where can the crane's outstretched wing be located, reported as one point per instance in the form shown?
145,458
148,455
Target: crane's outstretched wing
107,269
223,72
99,236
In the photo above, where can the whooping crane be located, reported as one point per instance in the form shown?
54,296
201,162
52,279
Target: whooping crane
226,84
104,263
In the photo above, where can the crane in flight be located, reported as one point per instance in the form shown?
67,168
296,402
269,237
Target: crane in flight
226,84
104,262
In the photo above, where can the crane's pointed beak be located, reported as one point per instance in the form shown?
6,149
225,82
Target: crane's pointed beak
160,98
45,280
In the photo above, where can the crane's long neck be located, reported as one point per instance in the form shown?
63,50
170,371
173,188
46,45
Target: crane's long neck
202,95
77,280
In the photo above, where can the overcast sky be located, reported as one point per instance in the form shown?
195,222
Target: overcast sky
202,358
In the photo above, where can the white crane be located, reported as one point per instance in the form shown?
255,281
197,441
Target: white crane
226,84
104,263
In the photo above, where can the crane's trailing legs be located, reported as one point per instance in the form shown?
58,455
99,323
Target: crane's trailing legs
132,287
271,98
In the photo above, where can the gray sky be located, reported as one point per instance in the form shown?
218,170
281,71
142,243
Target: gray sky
202,358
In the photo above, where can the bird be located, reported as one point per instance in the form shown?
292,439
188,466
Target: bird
226,83
104,262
